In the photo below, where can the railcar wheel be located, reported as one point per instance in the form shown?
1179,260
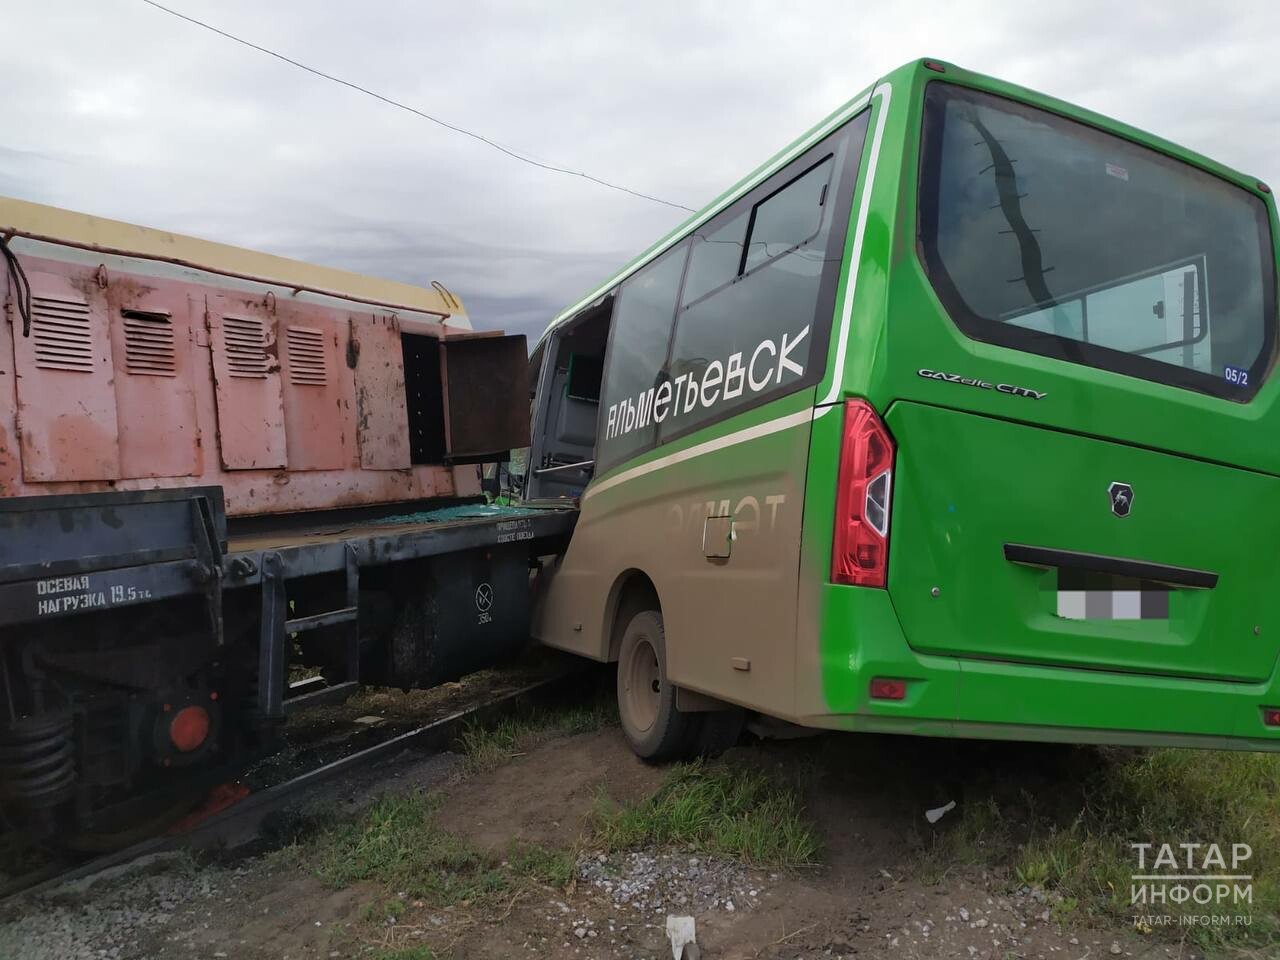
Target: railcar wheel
654,727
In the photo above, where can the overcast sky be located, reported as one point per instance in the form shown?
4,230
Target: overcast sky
114,108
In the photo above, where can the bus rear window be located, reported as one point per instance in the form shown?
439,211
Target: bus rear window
1050,236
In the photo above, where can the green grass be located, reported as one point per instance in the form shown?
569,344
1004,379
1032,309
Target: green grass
716,808
392,909
552,867
1159,796
485,747
397,843
399,953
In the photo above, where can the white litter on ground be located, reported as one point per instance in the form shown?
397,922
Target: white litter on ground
680,931
937,813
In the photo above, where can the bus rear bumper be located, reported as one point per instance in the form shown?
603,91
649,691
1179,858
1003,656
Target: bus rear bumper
860,639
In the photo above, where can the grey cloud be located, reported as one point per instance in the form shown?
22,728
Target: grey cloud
122,111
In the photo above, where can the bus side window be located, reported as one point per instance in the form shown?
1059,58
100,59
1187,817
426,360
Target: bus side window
789,218
637,353
563,451
761,286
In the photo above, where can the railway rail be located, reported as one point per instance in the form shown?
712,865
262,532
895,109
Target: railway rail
240,822
104,596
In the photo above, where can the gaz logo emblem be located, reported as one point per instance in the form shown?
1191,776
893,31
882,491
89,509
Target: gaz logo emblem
1121,495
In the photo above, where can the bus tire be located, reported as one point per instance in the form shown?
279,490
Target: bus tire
654,727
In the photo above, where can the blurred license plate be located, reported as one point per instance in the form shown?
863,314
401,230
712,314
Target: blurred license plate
1099,596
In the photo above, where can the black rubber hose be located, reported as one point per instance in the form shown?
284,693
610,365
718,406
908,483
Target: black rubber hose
21,286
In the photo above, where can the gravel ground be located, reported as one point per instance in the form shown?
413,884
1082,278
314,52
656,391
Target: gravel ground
632,894
662,883
102,917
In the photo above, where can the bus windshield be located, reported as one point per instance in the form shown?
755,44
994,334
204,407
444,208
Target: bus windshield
1051,236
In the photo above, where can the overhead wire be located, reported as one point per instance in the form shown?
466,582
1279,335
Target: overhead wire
390,101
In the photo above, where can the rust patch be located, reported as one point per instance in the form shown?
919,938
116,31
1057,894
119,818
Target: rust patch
80,449
7,464
272,349
126,289
362,412
85,285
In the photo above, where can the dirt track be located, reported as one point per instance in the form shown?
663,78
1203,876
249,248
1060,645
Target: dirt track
877,893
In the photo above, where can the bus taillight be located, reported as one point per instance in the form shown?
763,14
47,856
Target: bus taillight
860,548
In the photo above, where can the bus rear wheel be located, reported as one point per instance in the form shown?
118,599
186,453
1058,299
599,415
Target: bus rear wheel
654,727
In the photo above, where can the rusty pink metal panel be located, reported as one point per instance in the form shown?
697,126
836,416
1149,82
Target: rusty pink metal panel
172,423
10,458
319,389
151,333
382,415
257,492
246,371
66,400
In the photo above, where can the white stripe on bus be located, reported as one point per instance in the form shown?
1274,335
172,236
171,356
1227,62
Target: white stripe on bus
701,449
846,308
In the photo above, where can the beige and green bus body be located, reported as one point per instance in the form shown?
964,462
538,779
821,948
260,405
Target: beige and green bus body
956,417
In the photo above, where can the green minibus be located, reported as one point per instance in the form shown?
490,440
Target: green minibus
954,418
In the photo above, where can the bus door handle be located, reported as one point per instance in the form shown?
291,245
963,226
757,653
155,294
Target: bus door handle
1116,566
717,538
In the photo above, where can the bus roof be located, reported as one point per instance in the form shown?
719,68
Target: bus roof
53,224
914,69
777,161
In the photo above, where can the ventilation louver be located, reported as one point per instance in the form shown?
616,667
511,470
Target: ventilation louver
61,335
246,343
306,356
149,349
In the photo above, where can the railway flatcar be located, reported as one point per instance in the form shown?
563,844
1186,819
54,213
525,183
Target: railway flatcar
215,463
